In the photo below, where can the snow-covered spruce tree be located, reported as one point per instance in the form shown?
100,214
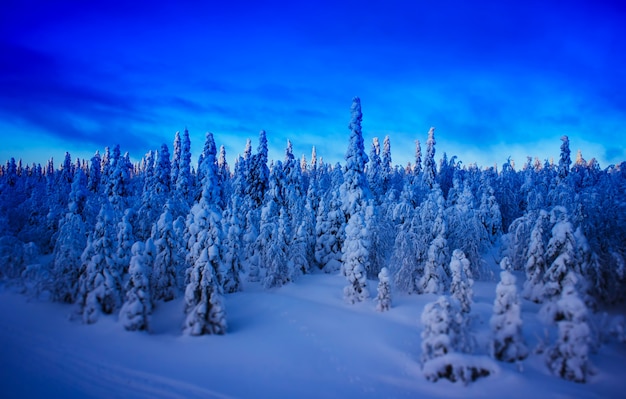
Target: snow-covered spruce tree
381,238
439,335
406,256
464,228
70,244
176,159
125,240
461,285
383,298
441,339
233,243
167,261
536,263
435,278
374,171
507,192
137,309
355,254
417,166
564,160
184,181
95,173
204,303
489,212
569,356
355,196
561,256
100,281
117,181
430,166
305,237
203,295
515,243
386,165
329,233
506,322
223,176
276,258
252,249
257,178
298,248
205,214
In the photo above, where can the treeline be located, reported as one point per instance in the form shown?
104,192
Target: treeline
112,236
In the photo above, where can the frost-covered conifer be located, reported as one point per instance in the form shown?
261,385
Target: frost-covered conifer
252,249
70,244
203,294
461,285
233,245
205,214
184,181
536,263
136,311
430,166
355,255
489,213
276,258
569,356
125,239
406,256
176,159
204,302
117,187
355,196
299,247
565,160
167,260
383,297
329,232
435,277
439,335
506,322
561,256
258,177
464,228
95,173
374,171
162,174
100,281
443,343
386,165
417,166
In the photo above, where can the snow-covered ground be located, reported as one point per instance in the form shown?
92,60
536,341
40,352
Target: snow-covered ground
299,341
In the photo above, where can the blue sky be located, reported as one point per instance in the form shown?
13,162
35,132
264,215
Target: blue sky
496,78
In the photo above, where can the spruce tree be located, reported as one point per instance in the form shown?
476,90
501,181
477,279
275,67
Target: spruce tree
70,244
167,260
506,322
355,197
100,280
136,311
383,297
430,166
568,358
461,285
536,263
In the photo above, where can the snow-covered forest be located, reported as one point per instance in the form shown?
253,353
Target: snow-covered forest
111,237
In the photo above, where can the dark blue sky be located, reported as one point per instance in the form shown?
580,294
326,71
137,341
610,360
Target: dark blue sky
495,78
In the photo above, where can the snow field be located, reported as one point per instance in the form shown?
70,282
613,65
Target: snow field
301,340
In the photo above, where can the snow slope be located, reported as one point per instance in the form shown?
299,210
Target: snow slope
299,341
